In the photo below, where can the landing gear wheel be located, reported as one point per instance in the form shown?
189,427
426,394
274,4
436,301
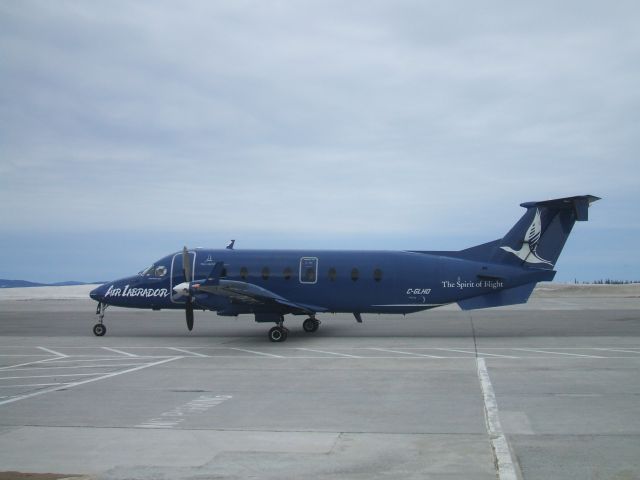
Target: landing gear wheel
278,334
310,325
99,330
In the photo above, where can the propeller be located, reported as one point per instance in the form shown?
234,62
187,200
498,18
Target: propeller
186,269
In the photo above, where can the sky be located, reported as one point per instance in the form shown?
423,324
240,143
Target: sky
129,129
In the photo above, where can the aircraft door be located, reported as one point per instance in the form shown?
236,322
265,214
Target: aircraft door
177,274
308,270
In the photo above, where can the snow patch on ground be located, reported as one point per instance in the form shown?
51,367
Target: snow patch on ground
547,290
543,290
47,293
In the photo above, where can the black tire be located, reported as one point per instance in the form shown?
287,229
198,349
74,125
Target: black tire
310,325
99,330
277,334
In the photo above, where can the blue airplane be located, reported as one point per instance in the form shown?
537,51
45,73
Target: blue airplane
272,283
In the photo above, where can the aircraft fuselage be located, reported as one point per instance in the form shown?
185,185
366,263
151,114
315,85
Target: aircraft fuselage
336,281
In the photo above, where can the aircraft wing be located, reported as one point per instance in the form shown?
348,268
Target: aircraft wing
248,293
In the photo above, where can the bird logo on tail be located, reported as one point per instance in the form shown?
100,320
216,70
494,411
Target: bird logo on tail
528,251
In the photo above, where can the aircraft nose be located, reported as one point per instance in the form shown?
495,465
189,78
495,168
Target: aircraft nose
98,293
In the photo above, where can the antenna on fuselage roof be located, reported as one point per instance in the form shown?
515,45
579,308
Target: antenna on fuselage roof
230,246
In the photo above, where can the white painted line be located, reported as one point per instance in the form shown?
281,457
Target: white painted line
53,352
158,424
372,358
55,376
222,347
31,385
474,353
21,355
505,466
115,350
618,350
112,358
404,353
454,350
10,367
55,367
329,353
257,353
83,382
178,415
193,354
557,353
495,355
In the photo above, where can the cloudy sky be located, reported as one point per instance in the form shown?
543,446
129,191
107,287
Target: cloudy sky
130,129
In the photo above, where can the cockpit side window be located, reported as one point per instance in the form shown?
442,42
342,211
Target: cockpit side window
154,271
147,271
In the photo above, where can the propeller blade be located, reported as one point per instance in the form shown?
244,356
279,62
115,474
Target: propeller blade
186,265
185,287
188,308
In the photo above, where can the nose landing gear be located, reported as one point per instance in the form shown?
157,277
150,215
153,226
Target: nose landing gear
99,329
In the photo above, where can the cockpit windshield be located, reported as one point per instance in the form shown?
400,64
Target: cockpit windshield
155,271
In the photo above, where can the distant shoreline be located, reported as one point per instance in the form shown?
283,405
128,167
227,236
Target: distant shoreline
27,284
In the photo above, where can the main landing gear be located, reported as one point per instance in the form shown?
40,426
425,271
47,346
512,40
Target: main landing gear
311,325
279,333
99,329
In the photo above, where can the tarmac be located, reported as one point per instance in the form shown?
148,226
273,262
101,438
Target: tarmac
546,390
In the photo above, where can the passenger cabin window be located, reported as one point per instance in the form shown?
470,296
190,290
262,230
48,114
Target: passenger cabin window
355,274
308,270
377,274
332,274
287,273
265,273
244,273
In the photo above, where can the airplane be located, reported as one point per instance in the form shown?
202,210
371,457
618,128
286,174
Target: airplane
273,283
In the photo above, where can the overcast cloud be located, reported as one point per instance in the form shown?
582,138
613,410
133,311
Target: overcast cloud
143,126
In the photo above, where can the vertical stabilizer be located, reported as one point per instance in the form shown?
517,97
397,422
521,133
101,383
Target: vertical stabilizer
539,236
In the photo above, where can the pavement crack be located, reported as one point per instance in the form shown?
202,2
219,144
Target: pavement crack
473,332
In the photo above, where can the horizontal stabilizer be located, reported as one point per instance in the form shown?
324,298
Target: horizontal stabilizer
579,204
509,296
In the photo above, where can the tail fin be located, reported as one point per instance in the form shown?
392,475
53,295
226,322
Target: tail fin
539,236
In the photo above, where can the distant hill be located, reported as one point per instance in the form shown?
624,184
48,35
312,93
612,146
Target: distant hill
24,283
